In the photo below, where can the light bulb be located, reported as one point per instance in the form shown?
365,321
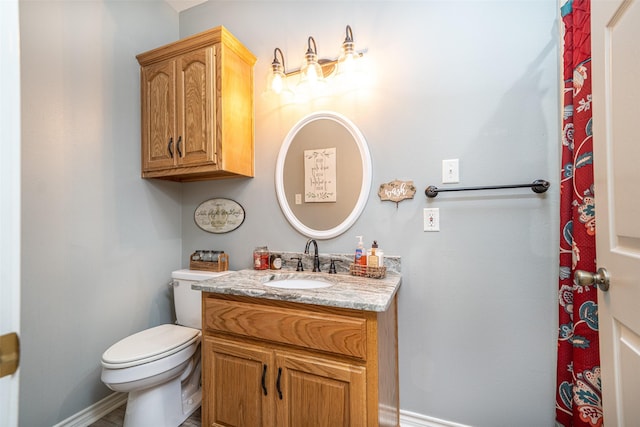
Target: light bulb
347,64
276,82
311,72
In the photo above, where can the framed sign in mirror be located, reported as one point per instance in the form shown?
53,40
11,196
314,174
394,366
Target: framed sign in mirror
219,215
323,175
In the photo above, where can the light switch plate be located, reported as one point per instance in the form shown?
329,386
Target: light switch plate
432,219
450,171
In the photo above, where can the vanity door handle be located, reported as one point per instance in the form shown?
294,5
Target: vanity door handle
169,147
264,379
278,383
178,146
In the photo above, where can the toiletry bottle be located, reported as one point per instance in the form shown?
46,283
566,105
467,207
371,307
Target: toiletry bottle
360,258
261,258
275,262
379,254
373,260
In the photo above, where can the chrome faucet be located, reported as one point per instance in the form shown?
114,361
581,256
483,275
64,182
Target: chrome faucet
316,259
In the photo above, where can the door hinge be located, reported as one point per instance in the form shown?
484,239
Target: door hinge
9,354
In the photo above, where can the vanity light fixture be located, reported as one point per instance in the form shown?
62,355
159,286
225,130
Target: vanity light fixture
315,73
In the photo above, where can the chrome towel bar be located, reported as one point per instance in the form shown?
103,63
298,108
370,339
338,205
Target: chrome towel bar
537,186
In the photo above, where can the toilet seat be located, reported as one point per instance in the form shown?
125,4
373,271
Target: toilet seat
149,345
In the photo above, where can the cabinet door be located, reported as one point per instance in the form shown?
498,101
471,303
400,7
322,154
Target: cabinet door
196,108
158,87
315,392
238,384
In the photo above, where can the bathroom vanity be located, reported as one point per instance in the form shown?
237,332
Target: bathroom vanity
277,356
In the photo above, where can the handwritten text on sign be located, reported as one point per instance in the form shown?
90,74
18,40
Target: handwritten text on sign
320,175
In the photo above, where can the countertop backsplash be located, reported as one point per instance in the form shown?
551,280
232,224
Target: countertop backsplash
342,267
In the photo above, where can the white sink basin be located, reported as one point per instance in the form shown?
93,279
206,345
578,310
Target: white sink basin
298,284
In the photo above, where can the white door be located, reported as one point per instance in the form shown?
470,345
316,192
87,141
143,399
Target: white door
615,39
9,197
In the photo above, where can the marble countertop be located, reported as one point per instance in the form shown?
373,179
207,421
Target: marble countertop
346,291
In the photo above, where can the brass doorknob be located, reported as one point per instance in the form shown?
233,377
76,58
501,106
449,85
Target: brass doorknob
9,354
600,278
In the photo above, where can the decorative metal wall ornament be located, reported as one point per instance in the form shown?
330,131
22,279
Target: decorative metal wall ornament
219,215
396,191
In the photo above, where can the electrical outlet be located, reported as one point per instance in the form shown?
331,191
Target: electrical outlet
298,199
432,219
450,171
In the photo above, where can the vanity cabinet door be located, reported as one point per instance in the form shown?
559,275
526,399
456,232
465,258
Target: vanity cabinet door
316,392
249,385
238,383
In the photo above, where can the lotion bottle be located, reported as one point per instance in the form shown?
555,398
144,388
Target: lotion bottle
361,257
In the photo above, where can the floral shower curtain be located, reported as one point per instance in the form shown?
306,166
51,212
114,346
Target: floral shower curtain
578,393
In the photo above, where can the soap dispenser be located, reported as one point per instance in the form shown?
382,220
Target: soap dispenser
380,255
373,260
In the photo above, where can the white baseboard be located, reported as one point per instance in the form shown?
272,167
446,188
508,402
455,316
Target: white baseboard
411,419
99,409
94,412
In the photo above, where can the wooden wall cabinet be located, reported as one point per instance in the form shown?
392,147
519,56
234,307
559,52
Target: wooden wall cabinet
270,363
197,108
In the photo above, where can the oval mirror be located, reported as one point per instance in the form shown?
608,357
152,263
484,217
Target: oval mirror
323,175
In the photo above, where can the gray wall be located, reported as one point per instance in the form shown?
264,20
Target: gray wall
474,80
98,242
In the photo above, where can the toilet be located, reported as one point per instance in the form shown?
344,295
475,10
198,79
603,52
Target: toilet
160,367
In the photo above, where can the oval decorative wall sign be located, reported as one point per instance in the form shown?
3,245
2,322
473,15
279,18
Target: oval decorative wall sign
219,215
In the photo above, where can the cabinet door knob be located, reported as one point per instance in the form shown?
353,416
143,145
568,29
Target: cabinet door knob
170,147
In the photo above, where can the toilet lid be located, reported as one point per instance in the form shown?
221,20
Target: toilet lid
149,345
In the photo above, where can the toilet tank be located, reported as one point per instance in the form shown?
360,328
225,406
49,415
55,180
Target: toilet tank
187,302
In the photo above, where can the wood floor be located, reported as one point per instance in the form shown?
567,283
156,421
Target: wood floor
116,419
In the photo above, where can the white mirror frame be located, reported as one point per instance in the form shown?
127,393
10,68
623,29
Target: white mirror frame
365,188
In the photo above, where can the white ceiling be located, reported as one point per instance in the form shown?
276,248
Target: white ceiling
180,5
